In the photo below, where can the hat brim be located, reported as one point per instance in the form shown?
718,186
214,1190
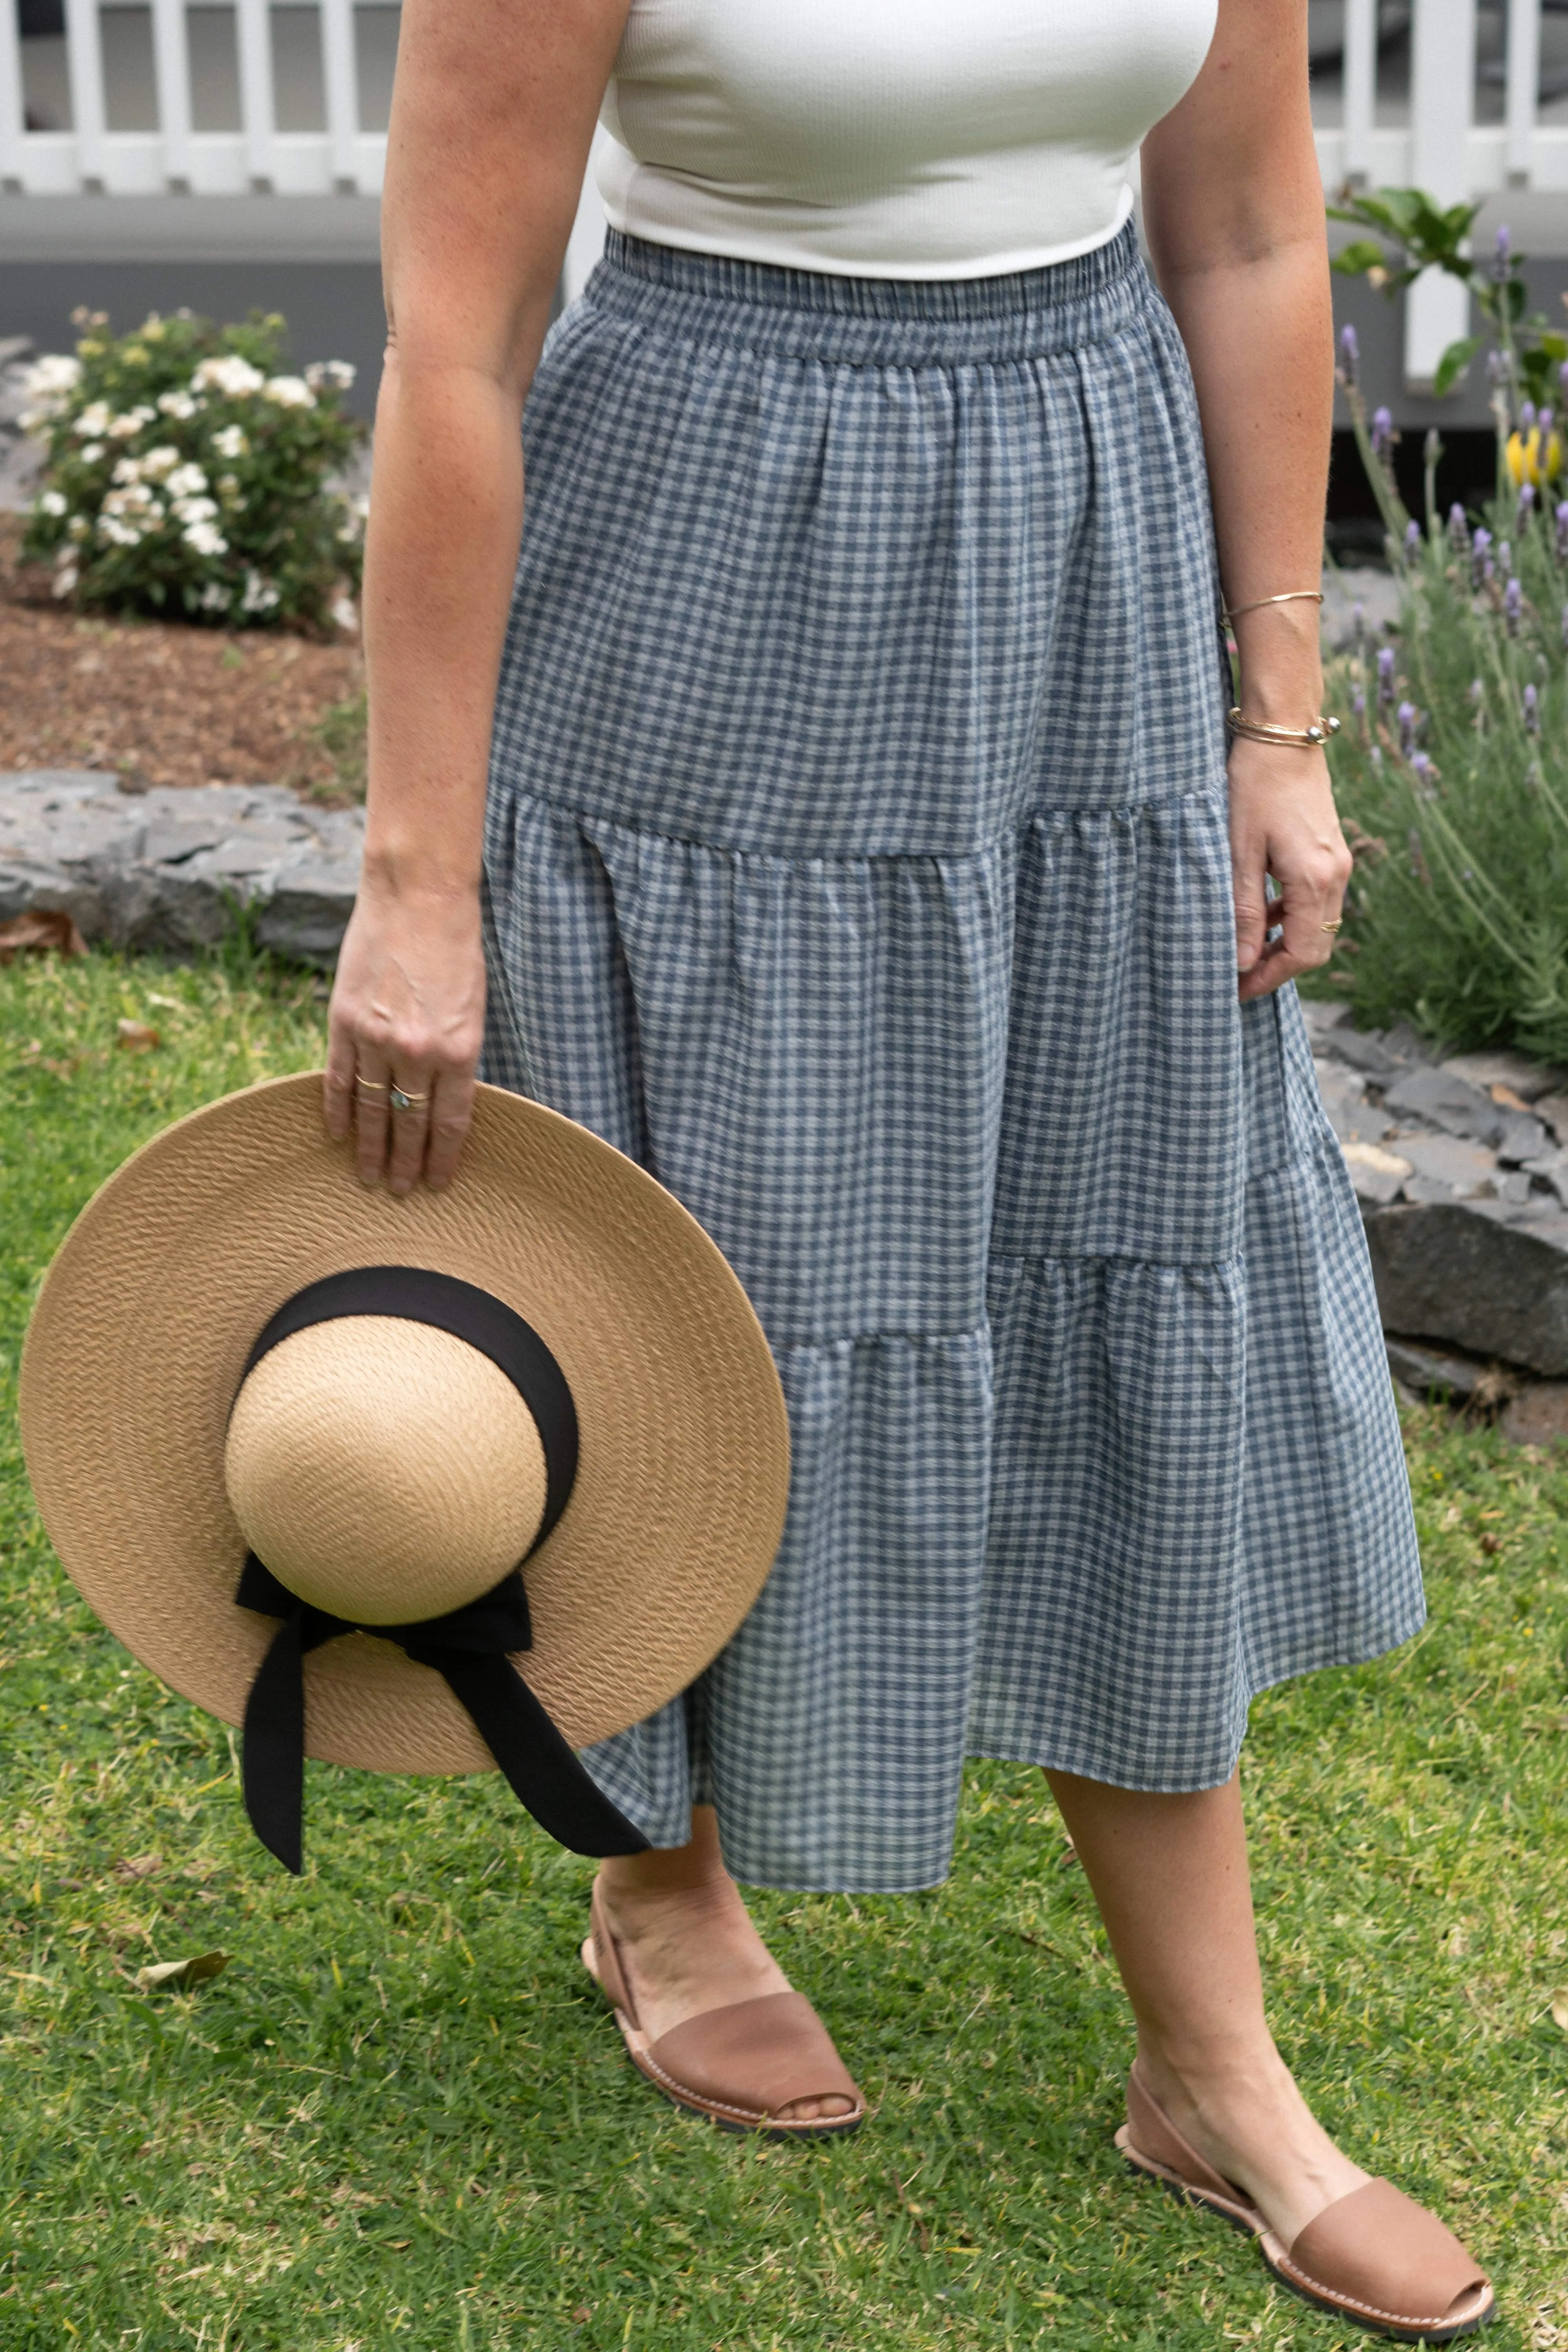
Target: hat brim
140,1336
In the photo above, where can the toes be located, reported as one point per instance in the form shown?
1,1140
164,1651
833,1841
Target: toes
811,2111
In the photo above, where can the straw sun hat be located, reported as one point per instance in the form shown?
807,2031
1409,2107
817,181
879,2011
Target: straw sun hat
529,1425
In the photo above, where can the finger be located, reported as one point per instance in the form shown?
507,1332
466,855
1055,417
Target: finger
1248,888
451,1108
410,1127
338,1080
372,1114
1303,917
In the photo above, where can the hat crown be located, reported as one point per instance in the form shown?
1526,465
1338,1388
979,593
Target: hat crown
384,1470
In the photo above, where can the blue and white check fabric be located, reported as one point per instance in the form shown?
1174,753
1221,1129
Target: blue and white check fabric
857,861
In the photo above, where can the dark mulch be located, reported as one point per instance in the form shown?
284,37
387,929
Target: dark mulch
173,703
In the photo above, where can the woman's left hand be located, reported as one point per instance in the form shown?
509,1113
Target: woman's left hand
1284,824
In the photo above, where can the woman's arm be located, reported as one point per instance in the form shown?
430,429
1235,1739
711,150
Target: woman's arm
1233,210
492,115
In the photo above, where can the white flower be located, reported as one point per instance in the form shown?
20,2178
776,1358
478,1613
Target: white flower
93,420
196,509
231,376
178,405
204,539
229,487
344,614
92,453
51,503
128,469
260,596
64,579
325,372
120,533
229,441
132,498
186,482
48,383
289,391
158,462
128,423
79,528
214,598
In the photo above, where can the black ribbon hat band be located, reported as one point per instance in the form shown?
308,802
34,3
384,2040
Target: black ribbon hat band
470,1647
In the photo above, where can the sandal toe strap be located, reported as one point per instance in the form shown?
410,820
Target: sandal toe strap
753,2057
1376,2250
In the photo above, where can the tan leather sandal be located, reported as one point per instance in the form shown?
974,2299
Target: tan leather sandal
739,2064
1375,2256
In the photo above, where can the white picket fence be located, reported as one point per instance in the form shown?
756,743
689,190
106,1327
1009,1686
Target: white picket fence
220,84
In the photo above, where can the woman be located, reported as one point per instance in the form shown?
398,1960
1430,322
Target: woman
862,855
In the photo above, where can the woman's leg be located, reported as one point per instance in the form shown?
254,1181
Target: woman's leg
1170,1877
687,1942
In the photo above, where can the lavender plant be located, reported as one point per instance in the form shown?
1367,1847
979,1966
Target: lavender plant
1451,769
187,475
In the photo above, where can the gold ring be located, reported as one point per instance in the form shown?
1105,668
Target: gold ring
400,1101
1334,926
371,1086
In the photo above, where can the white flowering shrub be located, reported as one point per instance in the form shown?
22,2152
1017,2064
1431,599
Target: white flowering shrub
185,475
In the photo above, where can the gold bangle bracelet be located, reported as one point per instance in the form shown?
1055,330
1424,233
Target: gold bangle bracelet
1258,730
1292,596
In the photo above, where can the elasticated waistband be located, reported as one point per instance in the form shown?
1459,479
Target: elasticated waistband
873,322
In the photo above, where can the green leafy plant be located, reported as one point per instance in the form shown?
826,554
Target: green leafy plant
187,475
1452,767
1414,232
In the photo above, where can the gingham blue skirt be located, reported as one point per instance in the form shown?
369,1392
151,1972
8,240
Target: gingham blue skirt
857,861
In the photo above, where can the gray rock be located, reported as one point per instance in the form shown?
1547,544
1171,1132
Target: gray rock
165,869
1378,1176
1522,1138
1320,1018
1444,1271
1408,1044
1433,1371
1466,1171
1553,1167
1448,1101
1343,1093
1363,1049
1521,1076
1553,1110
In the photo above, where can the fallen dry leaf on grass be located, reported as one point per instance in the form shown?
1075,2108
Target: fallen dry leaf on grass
180,1973
1560,2007
135,1037
137,1865
44,931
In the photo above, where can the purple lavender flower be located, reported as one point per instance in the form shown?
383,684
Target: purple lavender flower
1358,703
1407,718
1532,711
1503,257
1482,565
1385,675
1526,502
1422,771
1526,414
1512,607
1350,355
1382,435
1412,539
1544,421
1458,530
1562,520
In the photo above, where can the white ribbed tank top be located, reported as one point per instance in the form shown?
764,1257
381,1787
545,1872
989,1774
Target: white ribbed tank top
891,138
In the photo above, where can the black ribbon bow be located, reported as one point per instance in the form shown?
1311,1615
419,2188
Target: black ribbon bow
469,1647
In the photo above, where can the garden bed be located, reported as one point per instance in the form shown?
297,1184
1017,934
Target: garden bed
167,703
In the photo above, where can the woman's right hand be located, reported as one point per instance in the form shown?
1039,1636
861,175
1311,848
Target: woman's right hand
407,1011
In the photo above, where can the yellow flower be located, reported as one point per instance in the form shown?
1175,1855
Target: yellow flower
1529,462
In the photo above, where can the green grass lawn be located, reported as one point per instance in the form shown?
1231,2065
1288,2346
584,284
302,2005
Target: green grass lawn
402,2119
